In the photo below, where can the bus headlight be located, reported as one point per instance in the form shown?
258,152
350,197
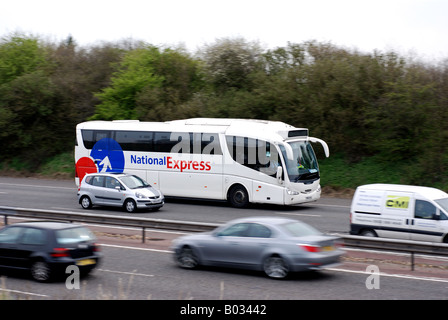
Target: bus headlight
292,192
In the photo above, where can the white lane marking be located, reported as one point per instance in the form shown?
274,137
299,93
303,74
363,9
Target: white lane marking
35,186
403,276
24,292
134,248
325,205
127,273
298,214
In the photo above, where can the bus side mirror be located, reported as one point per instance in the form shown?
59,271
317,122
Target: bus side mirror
323,143
279,174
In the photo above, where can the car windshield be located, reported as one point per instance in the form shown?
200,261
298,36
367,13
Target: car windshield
134,182
304,165
74,235
298,229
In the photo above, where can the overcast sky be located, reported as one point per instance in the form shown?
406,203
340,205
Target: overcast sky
419,27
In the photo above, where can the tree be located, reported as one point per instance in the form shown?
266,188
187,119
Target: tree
25,96
135,73
229,62
150,84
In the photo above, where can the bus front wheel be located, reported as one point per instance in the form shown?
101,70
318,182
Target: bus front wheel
238,196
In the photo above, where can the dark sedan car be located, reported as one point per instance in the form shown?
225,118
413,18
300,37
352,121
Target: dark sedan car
47,248
274,245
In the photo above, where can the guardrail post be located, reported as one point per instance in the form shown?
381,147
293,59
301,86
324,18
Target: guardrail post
412,260
6,219
143,234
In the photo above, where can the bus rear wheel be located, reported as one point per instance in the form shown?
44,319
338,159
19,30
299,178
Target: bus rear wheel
238,196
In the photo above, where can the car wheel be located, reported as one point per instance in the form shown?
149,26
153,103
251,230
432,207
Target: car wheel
238,197
275,267
187,258
130,206
85,202
40,271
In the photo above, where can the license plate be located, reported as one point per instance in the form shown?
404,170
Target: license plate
328,248
85,262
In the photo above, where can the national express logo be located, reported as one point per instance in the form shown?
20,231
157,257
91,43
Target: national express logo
107,156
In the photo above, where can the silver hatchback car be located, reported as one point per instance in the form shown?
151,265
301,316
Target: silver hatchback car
277,246
119,190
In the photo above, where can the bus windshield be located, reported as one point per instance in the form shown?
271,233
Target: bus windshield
303,166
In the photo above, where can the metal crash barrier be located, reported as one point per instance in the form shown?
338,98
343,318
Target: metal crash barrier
373,243
123,221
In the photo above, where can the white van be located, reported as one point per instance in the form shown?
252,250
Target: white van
401,212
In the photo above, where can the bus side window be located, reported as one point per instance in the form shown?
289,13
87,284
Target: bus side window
134,140
87,138
90,137
210,144
162,142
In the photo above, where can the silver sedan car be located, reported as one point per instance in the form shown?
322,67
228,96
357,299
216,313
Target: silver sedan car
274,245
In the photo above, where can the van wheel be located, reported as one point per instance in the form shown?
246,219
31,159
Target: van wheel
238,196
368,233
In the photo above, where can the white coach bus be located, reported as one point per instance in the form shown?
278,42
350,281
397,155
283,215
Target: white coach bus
237,160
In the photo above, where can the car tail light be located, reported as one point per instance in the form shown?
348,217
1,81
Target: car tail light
96,247
309,248
60,252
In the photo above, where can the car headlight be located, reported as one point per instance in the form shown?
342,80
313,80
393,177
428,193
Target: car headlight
292,192
139,195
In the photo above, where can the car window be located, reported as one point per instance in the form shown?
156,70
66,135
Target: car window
33,236
134,182
236,230
259,231
112,183
98,181
89,180
74,235
298,229
10,235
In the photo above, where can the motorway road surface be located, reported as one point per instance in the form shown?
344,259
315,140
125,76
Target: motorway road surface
145,274
327,214
132,270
